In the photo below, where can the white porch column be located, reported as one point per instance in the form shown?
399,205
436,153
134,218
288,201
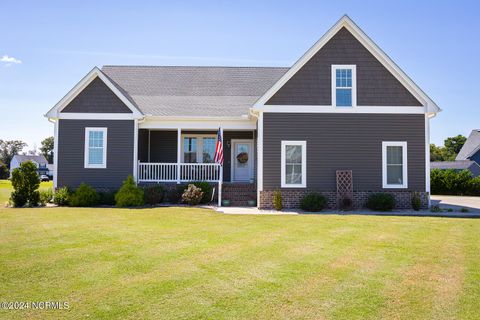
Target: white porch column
220,182
179,152
135,151
55,153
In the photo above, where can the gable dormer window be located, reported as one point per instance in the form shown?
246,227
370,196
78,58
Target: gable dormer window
344,85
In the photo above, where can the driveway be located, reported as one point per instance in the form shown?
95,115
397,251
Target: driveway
457,203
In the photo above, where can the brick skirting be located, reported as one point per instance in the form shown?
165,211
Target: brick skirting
291,198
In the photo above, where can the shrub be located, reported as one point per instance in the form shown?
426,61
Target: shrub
175,195
346,204
464,210
106,198
454,182
207,190
4,173
277,200
129,194
435,208
84,196
25,182
381,202
154,194
61,195
46,196
416,201
192,195
313,202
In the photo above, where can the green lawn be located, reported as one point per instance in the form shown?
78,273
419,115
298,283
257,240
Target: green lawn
6,188
170,263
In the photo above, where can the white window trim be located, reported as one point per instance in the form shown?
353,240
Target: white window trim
402,144
334,84
303,144
95,166
199,144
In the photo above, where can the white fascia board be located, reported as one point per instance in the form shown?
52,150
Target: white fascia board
94,73
333,109
368,43
98,116
165,124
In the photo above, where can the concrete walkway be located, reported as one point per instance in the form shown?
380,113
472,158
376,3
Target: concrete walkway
402,213
457,203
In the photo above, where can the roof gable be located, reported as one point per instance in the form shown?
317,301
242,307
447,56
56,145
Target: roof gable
471,146
345,27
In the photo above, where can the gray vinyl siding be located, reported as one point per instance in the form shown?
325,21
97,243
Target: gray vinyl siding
143,145
97,98
344,141
163,146
311,85
71,149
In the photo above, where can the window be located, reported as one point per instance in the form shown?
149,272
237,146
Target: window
344,85
95,147
294,164
199,148
394,164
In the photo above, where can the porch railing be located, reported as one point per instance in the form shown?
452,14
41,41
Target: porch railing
171,172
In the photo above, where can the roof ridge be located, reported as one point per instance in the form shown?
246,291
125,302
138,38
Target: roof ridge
189,66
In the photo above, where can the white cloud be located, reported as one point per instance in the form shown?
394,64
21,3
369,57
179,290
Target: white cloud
9,60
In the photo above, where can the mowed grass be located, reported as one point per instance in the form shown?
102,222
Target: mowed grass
6,188
185,263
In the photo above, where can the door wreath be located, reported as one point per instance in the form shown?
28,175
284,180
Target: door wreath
242,157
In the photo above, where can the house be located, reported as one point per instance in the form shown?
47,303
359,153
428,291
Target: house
39,161
457,165
344,120
471,148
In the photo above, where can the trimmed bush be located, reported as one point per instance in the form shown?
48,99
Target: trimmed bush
416,201
381,202
277,200
313,202
454,182
192,195
154,194
46,196
129,194
61,195
84,196
25,182
207,190
106,198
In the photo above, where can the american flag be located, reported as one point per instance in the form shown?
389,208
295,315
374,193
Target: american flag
219,149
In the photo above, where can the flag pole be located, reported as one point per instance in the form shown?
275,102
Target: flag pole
220,182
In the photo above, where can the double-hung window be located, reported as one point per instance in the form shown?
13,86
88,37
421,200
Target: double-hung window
198,148
95,148
394,164
294,164
344,85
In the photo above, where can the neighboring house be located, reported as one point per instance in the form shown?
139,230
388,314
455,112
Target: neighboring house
471,148
344,105
39,161
51,169
457,165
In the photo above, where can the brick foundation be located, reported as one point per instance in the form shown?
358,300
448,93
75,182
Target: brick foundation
291,198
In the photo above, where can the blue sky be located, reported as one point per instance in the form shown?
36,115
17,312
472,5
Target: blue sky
58,42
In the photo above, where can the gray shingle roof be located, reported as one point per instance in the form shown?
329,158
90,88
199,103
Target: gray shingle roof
194,91
38,159
456,165
472,144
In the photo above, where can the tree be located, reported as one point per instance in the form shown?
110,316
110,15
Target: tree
25,182
454,144
47,149
10,148
4,173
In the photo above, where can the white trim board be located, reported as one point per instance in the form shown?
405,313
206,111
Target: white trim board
368,43
333,109
94,73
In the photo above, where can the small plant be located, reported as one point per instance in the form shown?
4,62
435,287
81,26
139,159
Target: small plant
25,183
416,201
277,200
129,194
84,196
346,204
61,195
207,191
106,198
449,210
381,202
313,202
46,196
154,194
464,210
192,195
435,208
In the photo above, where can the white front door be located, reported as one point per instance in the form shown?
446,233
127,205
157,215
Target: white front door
242,160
